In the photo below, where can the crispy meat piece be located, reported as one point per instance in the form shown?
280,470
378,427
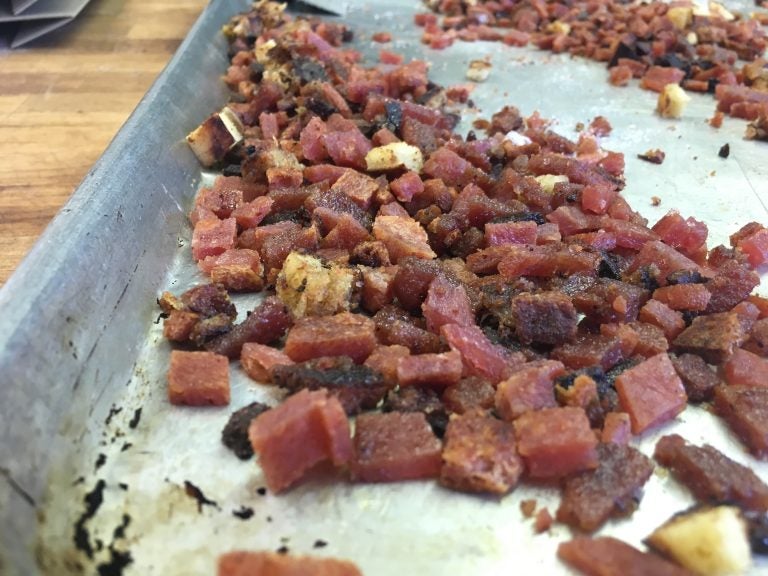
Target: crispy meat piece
612,489
357,387
710,475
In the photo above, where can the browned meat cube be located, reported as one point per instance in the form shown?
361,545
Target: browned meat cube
266,324
395,446
530,387
434,370
343,334
713,337
758,338
651,339
469,394
711,475
384,359
698,377
480,455
591,497
732,284
745,409
590,350
611,301
396,327
556,442
545,318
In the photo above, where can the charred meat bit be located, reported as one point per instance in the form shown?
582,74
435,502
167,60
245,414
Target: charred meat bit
356,386
235,433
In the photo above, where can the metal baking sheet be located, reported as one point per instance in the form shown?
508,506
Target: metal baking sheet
90,449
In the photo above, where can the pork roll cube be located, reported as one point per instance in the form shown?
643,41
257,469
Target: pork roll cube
480,455
198,379
556,442
241,563
651,392
306,429
395,446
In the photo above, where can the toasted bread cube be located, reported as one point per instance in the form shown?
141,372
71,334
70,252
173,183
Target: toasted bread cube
672,101
393,156
310,287
710,541
215,137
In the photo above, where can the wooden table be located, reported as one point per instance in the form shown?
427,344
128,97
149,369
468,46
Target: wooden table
63,99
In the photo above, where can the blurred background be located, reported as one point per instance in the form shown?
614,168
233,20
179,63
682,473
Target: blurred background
65,94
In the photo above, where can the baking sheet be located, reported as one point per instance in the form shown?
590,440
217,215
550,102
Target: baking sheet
84,401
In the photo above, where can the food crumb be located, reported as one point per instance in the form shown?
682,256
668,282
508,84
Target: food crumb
655,200
725,150
543,521
283,550
713,173
654,156
194,492
320,544
717,120
481,124
479,70
528,507
261,491
382,37
244,513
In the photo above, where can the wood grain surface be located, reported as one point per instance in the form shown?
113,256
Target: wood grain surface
63,99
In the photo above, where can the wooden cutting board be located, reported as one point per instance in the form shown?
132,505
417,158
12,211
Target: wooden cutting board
64,98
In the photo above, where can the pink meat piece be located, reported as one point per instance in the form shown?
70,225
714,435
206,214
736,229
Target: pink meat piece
254,238
250,214
268,125
348,148
433,370
651,393
656,77
238,269
212,237
572,220
395,446
556,442
530,387
360,188
665,258
510,233
446,303
324,172
220,202
393,209
448,166
198,379
346,234
343,334
405,187
258,360
306,429
480,356
384,359
242,563
312,140
402,237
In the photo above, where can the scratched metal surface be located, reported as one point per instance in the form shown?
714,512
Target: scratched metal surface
93,349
